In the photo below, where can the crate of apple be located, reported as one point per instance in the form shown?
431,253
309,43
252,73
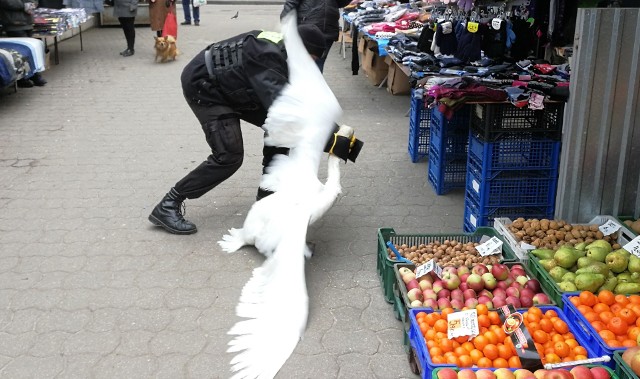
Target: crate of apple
492,285
577,372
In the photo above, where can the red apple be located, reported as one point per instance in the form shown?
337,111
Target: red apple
500,271
466,374
581,372
504,373
485,374
558,373
447,373
599,373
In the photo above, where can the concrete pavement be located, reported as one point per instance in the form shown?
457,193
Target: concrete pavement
90,289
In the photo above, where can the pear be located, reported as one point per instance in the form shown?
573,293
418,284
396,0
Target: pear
624,277
589,282
566,256
609,284
634,264
624,252
597,253
542,253
548,264
627,288
601,244
569,277
567,287
616,261
595,268
582,246
585,261
557,273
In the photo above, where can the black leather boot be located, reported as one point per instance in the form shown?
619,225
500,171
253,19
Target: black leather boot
168,215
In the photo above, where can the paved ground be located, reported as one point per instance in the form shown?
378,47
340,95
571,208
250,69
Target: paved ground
90,289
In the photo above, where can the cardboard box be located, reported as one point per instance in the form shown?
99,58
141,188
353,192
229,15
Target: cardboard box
362,43
373,65
345,37
397,80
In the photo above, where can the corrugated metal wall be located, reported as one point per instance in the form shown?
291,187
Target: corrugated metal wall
600,161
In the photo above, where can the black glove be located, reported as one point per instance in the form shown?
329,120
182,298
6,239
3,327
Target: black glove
344,147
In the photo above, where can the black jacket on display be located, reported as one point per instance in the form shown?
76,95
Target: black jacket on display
245,75
325,14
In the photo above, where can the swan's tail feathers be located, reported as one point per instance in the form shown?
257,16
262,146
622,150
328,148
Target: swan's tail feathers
233,241
276,304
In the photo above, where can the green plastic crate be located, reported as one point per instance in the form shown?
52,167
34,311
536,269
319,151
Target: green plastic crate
385,265
623,371
548,285
614,374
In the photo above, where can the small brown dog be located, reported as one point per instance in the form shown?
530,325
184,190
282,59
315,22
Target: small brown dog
166,48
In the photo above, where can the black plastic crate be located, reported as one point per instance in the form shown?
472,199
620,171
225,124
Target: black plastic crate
492,121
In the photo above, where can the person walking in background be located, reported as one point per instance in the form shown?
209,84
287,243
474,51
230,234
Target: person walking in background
231,80
186,6
158,10
325,14
15,17
126,11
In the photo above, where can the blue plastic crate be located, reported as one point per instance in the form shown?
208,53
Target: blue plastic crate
505,188
515,153
446,175
577,321
495,121
419,121
418,342
476,215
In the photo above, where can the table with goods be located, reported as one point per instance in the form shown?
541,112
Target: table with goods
525,299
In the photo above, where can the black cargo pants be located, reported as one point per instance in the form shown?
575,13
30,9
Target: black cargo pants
221,127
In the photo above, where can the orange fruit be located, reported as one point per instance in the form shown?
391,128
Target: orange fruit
571,342
575,300
476,355
494,317
606,297
588,298
445,312
629,343
579,350
439,360
491,351
633,333
480,342
468,346
514,362
424,328
607,335
635,308
598,325
492,337
580,357
484,362
460,351
435,352
601,307
500,363
533,317
560,326
622,299
613,343
606,316
584,309
557,337
535,310
546,325
452,359
441,326
533,326
483,320
592,316
634,299
616,307
562,349
465,361
552,358
504,351
482,309
618,326
540,336
431,318
627,316
446,345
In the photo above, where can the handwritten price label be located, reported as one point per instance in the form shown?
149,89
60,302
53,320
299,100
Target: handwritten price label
633,247
492,246
428,267
609,227
463,323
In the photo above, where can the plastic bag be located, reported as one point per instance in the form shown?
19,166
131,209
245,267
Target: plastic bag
170,27
199,3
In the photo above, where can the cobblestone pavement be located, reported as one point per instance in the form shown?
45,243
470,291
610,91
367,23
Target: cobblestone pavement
90,289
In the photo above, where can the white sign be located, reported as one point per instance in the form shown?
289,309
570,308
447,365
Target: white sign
492,246
633,247
427,268
463,323
609,227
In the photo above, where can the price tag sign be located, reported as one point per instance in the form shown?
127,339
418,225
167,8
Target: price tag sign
492,246
633,247
428,267
609,227
463,323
